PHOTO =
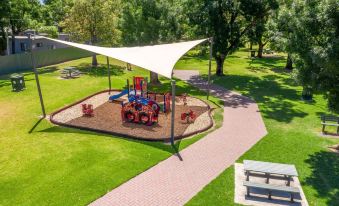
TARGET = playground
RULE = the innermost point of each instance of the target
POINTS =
(136, 113)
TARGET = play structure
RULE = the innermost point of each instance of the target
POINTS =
(188, 116)
(140, 110)
(135, 117)
(87, 110)
(142, 106)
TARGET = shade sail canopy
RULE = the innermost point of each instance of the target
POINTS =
(156, 58)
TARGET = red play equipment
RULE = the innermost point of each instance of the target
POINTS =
(167, 102)
(190, 115)
(142, 106)
(140, 110)
(87, 109)
(138, 81)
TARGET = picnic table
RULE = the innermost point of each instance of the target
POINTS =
(70, 72)
(268, 168)
(330, 120)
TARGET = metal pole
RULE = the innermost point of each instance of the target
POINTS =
(173, 111)
(37, 80)
(209, 67)
(7, 43)
(109, 77)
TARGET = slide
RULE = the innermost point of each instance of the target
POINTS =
(117, 96)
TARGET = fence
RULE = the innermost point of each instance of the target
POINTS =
(23, 62)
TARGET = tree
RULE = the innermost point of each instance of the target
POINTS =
(20, 14)
(55, 11)
(4, 24)
(261, 29)
(94, 21)
(227, 21)
(280, 31)
(147, 22)
(313, 41)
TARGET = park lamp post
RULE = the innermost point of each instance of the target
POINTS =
(32, 37)
(209, 68)
(109, 77)
(173, 111)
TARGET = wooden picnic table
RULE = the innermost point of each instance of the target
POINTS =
(269, 168)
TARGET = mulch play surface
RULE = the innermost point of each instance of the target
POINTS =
(107, 117)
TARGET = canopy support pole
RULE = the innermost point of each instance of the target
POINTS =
(173, 112)
(109, 77)
(37, 80)
(209, 67)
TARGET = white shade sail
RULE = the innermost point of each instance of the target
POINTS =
(156, 58)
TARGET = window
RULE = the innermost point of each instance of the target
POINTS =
(39, 44)
(23, 46)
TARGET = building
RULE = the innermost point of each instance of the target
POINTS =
(23, 42)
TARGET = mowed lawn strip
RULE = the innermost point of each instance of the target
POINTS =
(293, 128)
(52, 165)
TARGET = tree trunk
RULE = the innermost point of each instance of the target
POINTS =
(154, 78)
(220, 59)
(251, 45)
(3, 42)
(94, 60)
(289, 62)
(94, 56)
(260, 49)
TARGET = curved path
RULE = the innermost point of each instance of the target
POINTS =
(174, 181)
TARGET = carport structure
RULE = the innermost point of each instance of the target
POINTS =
(156, 58)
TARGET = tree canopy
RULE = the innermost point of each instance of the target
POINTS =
(307, 31)
(313, 40)
(227, 21)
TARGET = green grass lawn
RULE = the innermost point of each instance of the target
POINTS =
(44, 164)
(52, 165)
(293, 128)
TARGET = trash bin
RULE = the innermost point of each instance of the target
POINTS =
(252, 53)
(18, 82)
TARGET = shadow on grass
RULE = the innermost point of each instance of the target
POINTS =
(4, 82)
(46, 70)
(157, 145)
(277, 101)
(35, 125)
(325, 176)
(5, 79)
(274, 64)
(100, 70)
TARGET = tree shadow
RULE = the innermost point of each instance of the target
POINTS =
(4, 82)
(277, 101)
(46, 70)
(257, 69)
(270, 63)
(100, 70)
(325, 167)
(5, 79)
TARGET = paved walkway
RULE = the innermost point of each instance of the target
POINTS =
(174, 181)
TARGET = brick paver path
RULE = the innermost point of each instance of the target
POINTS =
(174, 181)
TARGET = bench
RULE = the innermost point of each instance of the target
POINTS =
(269, 168)
(271, 188)
(329, 120)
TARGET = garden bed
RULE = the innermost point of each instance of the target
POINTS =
(107, 118)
